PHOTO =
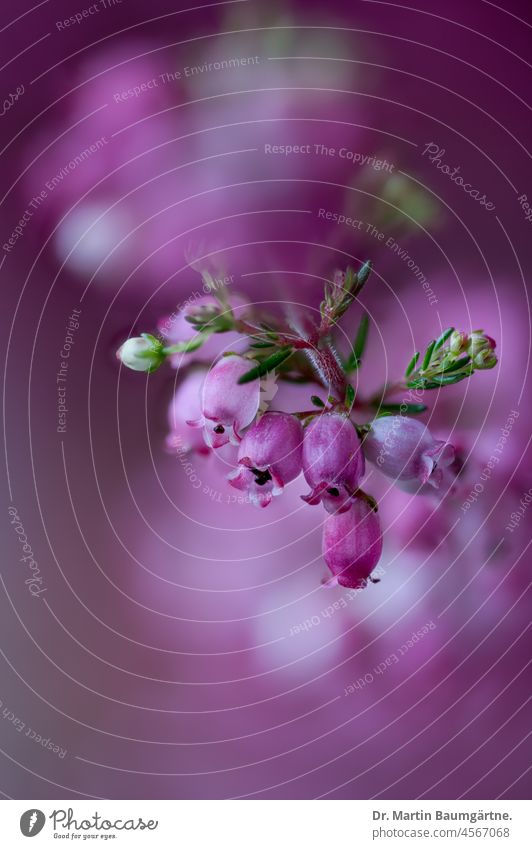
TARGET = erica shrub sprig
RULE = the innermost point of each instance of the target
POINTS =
(325, 442)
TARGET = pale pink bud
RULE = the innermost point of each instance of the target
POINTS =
(458, 342)
(485, 359)
(269, 457)
(227, 407)
(352, 544)
(478, 341)
(404, 449)
(333, 462)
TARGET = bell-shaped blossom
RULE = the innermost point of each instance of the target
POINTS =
(352, 544)
(405, 450)
(226, 406)
(333, 462)
(269, 457)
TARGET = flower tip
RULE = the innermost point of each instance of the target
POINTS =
(485, 359)
(234, 436)
(141, 353)
(328, 582)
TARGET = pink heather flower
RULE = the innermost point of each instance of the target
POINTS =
(352, 544)
(226, 406)
(269, 457)
(404, 449)
(333, 462)
(186, 406)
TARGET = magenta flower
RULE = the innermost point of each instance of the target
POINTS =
(404, 449)
(333, 462)
(352, 544)
(227, 407)
(269, 457)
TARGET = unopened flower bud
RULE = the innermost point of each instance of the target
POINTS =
(458, 342)
(478, 342)
(269, 457)
(352, 544)
(227, 406)
(404, 449)
(141, 353)
(333, 462)
(485, 359)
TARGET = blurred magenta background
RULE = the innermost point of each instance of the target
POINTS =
(168, 656)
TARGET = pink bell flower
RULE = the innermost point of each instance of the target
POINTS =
(333, 462)
(404, 449)
(269, 457)
(227, 407)
(352, 544)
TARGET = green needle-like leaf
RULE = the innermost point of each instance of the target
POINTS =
(156, 343)
(269, 364)
(187, 347)
(428, 354)
(443, 338)
(349, 396)
(364, 273)
(439, 380)
(317, 401)
(355, 357)
(458, 364)
(406, 409)
(412, 364)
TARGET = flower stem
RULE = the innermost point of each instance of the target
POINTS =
(328, 367)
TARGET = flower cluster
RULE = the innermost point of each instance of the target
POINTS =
(328, 445)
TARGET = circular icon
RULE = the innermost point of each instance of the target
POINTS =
(32, 822)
